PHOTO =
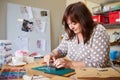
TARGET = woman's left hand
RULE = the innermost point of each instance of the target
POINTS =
(61, 62)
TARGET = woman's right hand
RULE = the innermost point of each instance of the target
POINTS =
(48, 58)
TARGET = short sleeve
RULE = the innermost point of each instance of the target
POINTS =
(63, 46)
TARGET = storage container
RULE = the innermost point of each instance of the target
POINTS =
(101, 19)
(114, 17)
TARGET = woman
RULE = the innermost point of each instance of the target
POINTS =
(85, 43)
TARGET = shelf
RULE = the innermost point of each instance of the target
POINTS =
(114, 43)
(112, 26)
(104, 12)
(103, 2)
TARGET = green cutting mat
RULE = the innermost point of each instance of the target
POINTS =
(55, 71)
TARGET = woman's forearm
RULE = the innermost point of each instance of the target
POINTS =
(55, 53)
(73, 64)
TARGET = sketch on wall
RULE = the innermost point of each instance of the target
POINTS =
(29, 28)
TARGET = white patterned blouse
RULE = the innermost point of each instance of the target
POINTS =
(94, 53)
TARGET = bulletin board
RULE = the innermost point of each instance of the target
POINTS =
(28, 28)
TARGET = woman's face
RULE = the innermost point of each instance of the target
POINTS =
(76, 27)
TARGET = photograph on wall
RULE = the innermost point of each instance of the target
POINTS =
(43, 13)
(27, 26)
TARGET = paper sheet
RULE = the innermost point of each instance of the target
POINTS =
(41, 44)
(94, 72)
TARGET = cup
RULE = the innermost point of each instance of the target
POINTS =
(16, 60)
(28, 59)
(113, 54)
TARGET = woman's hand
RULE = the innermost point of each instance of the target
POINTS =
(48, 58)
(61, 62)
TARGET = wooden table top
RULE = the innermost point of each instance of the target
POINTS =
(36, 63)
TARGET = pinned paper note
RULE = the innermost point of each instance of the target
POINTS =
(41, 44)
(26, 12)
(40, 25)
(30, 14)
(36, 13)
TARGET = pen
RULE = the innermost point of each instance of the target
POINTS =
(44, 62)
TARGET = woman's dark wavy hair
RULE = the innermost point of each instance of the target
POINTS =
(79, 13)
